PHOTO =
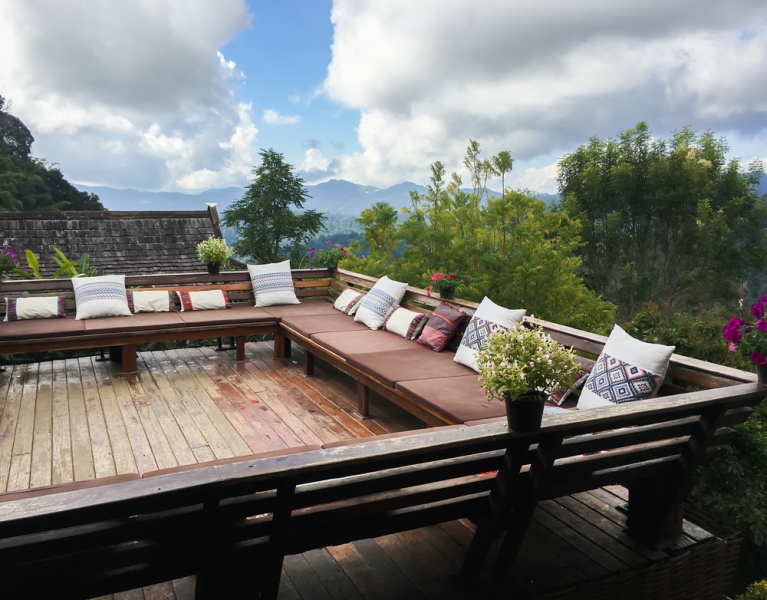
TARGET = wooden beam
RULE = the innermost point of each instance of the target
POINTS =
(363, 399)
(308, 363)
(129, 366)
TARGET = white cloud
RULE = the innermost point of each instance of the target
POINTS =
(272, 117)
(316, 168)
(129, 94)
(543, 179)
(537, 76)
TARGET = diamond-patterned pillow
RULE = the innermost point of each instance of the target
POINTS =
(488, 319)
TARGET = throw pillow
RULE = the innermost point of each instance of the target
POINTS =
(103, 296)
(149, 301)
(49, 307)
(488, 318)
(273, 284)
(206, 300)
(348, 302)
(559, 395)
(441, 327)
(627, 370)
(405, 323)
(381, 300)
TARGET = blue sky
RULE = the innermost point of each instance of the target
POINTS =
(179, 95)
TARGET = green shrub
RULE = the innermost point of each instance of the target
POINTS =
(755, 591)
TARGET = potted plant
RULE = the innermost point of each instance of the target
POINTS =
(214, 253)
(9, 261)
(445, 283)
(327, 258)
(522, 366)
(749, 340)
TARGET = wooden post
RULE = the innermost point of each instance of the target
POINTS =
(279, 345)
(277, 539)
(363, 399)
(288, 348)
(308, 363)
(129, 360)
(240, 342)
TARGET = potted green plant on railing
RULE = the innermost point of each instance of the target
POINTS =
(327, 258)
(214, 253)
(749, 340)
(522, 366)
(445, 284)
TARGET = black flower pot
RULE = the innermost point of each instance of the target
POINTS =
(447, 293)
(526, 412)
(213, 268)
(761, 373)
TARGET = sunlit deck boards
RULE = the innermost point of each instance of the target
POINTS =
(77, 419)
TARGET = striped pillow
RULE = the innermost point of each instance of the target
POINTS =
(205, 300)
(48, 307)
(348, 302)
(103, 296)
(441, 327)
(273, 284)
(405, 323)
(149, 301)
(379, 302)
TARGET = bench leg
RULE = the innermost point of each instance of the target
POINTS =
(240, 344)
(129, 360)
(288, 348)
(308, 363)
(653, 511)
(363, 400)
(279, 345)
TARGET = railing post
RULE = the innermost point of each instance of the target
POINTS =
(278, 539)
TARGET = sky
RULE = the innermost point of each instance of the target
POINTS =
(180, 95)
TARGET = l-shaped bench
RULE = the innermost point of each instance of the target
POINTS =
(232, 524)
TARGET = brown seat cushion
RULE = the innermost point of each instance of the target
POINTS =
(236, 314)
(418, 362)
(40, 328)
(308, 325)
(388, 436)
(67, 487)
(350, 343)
(226, 461)
(456, 399)
(137, 322)
(307, 307)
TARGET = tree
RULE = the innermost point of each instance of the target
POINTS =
(15, 138)
(270, 221)
(503, 163)
(664, 221)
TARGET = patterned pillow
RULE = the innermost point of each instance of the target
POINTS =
(273, 284)
(205, 300)
(627, 370)
(441, 327)
(48, 307)
(103, 296)
(381, 300)
(559, 395)
(348, 302)
(150, 301)
(405, 323)
(488, 318)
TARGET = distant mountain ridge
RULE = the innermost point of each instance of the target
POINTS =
(336, 196)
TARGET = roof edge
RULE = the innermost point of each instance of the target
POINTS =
(104, 214)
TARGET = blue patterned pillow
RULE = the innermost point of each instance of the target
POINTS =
(488, 318)
(273, 284)
(103, 296)
(379, 302)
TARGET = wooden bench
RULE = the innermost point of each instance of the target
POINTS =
(232, 524)
(123, 334)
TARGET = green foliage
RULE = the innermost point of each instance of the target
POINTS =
(27, 183)
(755, 591)
(268, 221)
(213, 250)
(68, 268)
(667, 221)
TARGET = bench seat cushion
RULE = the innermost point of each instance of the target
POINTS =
(227, 461)
(388, 436)
(407, 365)
(40, 328)
(350, 343)
(138, 322)
(311, 324)
(236, 315)
(455, 399)
(307, 307)
(66, 487)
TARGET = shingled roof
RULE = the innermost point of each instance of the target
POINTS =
(129, 243)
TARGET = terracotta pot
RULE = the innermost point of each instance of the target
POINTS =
(213, 268)
(447, 294)
(526, 412)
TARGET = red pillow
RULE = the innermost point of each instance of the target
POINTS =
(441, 327)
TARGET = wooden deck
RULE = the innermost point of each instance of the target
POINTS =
(77, 419)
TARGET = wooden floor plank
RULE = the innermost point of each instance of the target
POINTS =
(18, 476)
(360, 574)
(9, 421)
(287, 590)
(61, 441)
(43, 430)
(22, 444)
(161, 591)
(332, 576)
(5, 385)
(101, 445)
(386, 570)
(184, 588)
(305, 580)
(82, 454)
(130, 595)
(122, 450)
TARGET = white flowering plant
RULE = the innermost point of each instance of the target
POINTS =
(518, 361)
(213, 250)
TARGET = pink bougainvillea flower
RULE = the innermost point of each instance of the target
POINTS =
(329, 243)
(758, 309)
(758, 358)
(761, 325)
(428, 290)
(731, 331)
(732, 348)
(451, 277)
(437, 277)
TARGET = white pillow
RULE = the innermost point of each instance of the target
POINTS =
(48, 307)
(379, 302)
(102, 296)
(405, 323)
(488, 319)
(204, 300)
(348, 302)
(273, 284)
(150, 301)
(627, 370)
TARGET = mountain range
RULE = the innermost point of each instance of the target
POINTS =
(336, 196)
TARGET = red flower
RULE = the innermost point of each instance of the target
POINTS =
(758, 358)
